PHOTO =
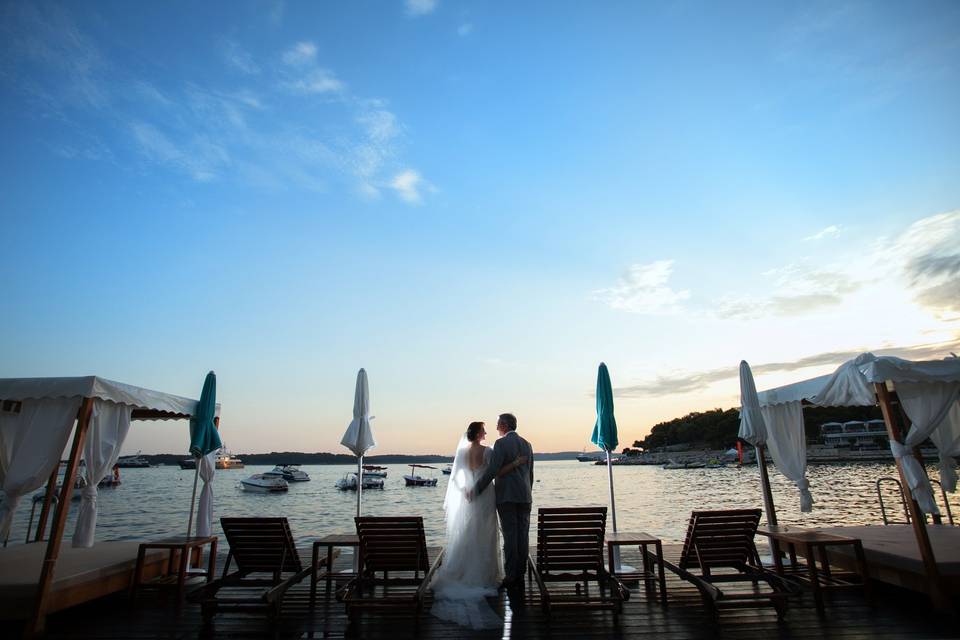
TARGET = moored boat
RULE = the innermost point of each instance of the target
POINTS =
(226, 461)
(413, 479)
(447, 470)
(349, 482)
(188, 463)
(289, 472)
(373, 471)
(133, 462)
(263, 483)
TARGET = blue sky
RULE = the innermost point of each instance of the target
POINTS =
(477, 202)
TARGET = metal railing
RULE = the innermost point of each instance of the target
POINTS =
(903, 502)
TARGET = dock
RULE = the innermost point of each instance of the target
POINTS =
(892, 613)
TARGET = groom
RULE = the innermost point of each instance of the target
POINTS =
(514, 495)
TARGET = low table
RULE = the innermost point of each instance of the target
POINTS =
(180, 548)
(652, 576)
(330, 542)
(813, 543)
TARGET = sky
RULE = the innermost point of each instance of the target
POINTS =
(477, 202)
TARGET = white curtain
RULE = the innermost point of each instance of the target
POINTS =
(109, 424)
(208, 464)
(31, 443)
(787, 442)
(947, 439)
(928, 406)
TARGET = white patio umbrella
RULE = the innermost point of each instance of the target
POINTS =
(753, 429)
(359, 436)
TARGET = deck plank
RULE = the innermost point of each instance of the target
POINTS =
(895, 613)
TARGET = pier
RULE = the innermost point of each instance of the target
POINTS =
(890, 613)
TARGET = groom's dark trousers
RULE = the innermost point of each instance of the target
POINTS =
(515, 525)
(514, 495)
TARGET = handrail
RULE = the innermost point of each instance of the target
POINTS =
(903, 502)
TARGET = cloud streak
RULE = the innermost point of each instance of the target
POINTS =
(645, 289)
(698, 380)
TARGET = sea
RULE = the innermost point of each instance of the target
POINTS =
(154, 502)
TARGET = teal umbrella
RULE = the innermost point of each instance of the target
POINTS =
(204, 439)
(605, 429)
(605, 433)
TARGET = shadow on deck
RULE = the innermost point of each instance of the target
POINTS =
(892, 614)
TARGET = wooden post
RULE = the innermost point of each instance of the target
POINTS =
(48, 499)
(765, 484)
(936, 590)
(38, 617)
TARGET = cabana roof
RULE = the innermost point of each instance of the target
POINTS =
(148, 404)
(851, 384)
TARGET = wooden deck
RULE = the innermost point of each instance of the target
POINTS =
(894, 613)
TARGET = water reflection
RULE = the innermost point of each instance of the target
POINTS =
(153, 502)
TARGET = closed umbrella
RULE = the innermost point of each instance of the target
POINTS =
(204, 439)
(359, 436)
(753, 429)
(605, 434)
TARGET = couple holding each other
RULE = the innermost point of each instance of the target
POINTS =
(471, 564)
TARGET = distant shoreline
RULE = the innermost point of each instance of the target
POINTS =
(299, 457)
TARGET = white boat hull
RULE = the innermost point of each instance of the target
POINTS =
(261, 483)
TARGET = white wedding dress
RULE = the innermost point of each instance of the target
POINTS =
(471, 567)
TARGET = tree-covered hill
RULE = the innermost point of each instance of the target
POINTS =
(717, 428)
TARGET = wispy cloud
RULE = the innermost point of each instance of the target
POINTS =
(797, 288)
(236, 57)
(826, 232)
(698, 380)
(300, 53)
(316, 81)
(327, 135)
(408, 184)
(930, 254)
(420, 7)
(465, 29)
(644, 289)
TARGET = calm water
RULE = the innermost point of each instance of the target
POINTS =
(154, 502)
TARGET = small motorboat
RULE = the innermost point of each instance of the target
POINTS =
(416, 480)
(447, 470)
(289, 472)
(373, 471)
(111, 481)
(349, 482)
(226, 461)
(263, 483)
(133, 462)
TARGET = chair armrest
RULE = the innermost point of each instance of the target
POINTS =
(699, 582)
(276, 593)
(422, 589)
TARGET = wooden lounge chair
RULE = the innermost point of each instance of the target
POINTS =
(259, 546)
(393, 556)
(570, 550)
(719, 549)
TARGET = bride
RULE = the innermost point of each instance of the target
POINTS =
(471, 567)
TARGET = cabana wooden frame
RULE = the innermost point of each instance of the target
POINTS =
(147, 405)
(883, 376)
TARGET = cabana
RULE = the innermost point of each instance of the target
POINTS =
(919, 400)
(37, 416)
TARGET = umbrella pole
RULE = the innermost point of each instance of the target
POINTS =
(613, 515)
(771, 512)
(196, 475)
(359, 482)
